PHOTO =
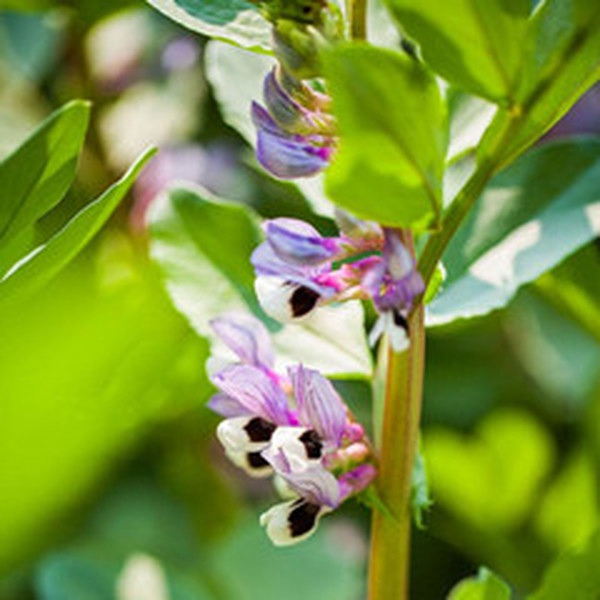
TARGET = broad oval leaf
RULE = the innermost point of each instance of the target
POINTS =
(475, 44)
(236, 21)
(392, 123)
(530, 217)
(203, 248)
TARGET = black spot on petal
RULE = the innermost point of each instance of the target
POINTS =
(400, 321)
(303, 300)
(312, 443)
(302, 517)
(256, 461)
(259, 430)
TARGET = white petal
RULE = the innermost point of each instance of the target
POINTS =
(291, 522)
(288, 453)
(233, 435)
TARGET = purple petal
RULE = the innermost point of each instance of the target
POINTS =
(227, 407)
(247, 337)
(267, 263)
(357, 480)
(288, 155)
(316, 484)
(319, 405)
(299, 243)
(286, 111)
(253, 389)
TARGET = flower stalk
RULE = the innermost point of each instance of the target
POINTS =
(390, 530)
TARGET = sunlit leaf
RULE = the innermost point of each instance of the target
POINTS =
(475, 44)
(86, 365)
(485, 586)
(392, 125)
(491, 479)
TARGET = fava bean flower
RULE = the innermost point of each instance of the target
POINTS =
(294, 426)
(294, 132)
(298, 270)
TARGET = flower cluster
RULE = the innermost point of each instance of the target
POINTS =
(298, 270)
(294, 426)
(296, 132)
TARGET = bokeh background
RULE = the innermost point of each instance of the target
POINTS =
(111, 483)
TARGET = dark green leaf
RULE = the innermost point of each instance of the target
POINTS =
(475, 44)
(38, 267)
(235, 21)
(530, 218)
(203, 246)
(485, 586)
(560, 63)
(392, 124)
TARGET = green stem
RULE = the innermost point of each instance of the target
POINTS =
(460, 207)
(390, 532)
(358, 19)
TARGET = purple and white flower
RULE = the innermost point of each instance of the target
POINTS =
(294, 426)
(298, 270)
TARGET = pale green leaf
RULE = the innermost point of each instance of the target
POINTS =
(530, 218)
(203, 246)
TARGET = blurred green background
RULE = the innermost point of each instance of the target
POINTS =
(111, 483)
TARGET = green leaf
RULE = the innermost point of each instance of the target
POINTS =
(530, 218)
(560, 63)
(236, 21)
(203, 246)
(38, 174)
(573, 577)
(485, 586)
(316, 568)
(86, 366)
(392, 124)
(123, 546)
(38, 267)
(491, 479)
(475, 44)
(568, 512)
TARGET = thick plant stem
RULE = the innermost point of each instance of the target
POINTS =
(390, 530)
